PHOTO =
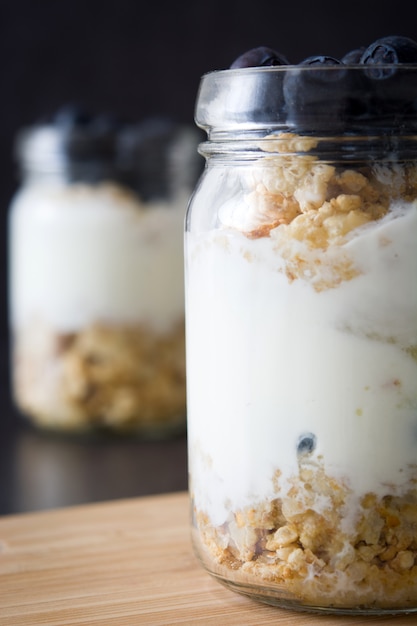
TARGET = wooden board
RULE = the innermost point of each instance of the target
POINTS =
(124, 562)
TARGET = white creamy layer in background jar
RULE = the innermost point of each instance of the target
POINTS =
(97, 306)
(301, 342)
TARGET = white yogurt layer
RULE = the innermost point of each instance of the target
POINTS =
(269, 360)
(82, 254)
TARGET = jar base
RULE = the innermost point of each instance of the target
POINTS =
(264, 595)
(281, 596)
(99, 432)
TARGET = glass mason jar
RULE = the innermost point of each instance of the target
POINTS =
(301, 335)
(96, 274)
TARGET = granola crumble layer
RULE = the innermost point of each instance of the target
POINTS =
(311, 208)
(120, 378)
(302, 552)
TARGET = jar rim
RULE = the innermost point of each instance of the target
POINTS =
(280, 69)
(338, 98)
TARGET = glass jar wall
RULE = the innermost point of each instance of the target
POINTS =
(301, 329)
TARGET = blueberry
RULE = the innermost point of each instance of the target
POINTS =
(259, 57)
(71, 116)
(87, 141)
(306, 444)
(317, 100)
(392, 50)
(145, 157)
(320, 61)
(390, 64)
(353, 57)
(106, 123)
(257, 96)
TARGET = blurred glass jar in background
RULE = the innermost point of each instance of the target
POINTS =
(96, 273)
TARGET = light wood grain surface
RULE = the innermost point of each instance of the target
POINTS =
(124, 562)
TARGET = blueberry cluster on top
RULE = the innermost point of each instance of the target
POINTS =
(149, 156)
(100, 146)
(370, 85)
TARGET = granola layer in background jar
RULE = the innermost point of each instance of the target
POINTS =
(96, 274)
(301, 330)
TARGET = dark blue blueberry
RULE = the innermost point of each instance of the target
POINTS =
(306, 443)
(147, 154)
(106, 123)
(88, 142)
(316, 100)
(259, 57)
(320, 61)
(353, 57)
(72, 116)
(392, 50)
(260, 95)
(390, 64)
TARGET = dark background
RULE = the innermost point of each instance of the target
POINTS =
(136, 59)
